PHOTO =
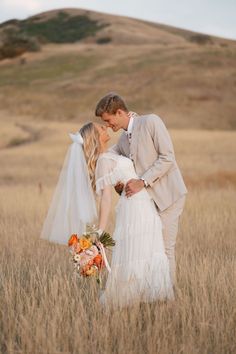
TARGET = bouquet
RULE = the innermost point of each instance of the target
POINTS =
(88, 254)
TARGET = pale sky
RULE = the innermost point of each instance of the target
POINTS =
(216, 17)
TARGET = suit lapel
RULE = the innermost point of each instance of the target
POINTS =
(134, 139)
(124, 142)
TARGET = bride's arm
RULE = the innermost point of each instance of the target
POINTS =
(105, 207)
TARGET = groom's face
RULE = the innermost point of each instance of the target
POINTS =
(113, 121)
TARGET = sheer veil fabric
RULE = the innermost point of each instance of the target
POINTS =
(73, 204)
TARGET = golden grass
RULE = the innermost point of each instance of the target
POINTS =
(44, 309)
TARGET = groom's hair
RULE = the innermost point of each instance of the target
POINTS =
(110, 104)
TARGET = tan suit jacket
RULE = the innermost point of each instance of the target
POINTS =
(152, 152)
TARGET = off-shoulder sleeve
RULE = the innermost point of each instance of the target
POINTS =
(106, 173)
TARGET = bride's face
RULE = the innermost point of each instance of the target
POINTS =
(103, 134)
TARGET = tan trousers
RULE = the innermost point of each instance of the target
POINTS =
(170, 221)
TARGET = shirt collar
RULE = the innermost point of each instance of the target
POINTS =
(131, 116)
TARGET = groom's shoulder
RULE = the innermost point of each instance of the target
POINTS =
(150, 118)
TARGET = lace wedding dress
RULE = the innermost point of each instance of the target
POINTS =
(139, 266)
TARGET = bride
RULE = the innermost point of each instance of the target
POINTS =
(139, 266)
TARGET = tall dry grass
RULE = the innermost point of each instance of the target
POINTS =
(44, 309)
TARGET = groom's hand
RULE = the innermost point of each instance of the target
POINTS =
(133, 186)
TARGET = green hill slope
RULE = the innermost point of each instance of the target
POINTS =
(187, 78)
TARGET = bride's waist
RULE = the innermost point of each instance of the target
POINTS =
(143, 194)
(128, 178)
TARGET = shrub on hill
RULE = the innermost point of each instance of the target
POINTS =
(19, 37)
(201, 39)
(62, 28)
(103, 40)
(13, 22)
(15, 44)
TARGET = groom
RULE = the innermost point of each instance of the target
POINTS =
(147, 142)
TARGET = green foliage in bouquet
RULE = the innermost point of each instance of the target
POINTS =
(107, 240)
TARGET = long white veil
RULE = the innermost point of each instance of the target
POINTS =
(73, 204)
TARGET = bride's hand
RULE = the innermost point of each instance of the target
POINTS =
(133, 186)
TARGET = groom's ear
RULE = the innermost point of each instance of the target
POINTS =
(119, 112)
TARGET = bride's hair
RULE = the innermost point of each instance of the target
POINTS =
(92, 149)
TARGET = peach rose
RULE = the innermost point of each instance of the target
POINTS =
(92, 251)
(88, 255)
(91, 271)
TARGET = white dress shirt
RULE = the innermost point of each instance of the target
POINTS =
(130, 126)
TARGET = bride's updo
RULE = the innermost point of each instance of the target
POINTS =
(92, 148)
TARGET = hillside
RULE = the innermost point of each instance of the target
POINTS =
(187, 78)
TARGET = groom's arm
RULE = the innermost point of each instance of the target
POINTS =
(164, 147)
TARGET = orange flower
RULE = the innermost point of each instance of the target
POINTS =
(84, 243)
(73, 239)
(98, 260)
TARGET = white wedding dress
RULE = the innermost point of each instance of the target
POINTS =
(139, 266)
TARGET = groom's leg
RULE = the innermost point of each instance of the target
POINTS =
(170, 221)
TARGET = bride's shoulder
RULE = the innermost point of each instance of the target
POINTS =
(107, 161)
(108, 155)
(106, 164)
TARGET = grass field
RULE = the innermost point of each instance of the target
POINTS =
(46, 95)
(44, 309)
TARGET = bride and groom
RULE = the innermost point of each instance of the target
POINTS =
(142, 166)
